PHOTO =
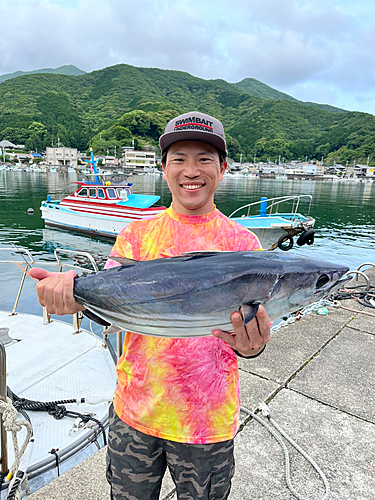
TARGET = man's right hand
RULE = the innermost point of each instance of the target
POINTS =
(55, 291)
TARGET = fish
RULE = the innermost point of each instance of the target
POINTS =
(195, 293)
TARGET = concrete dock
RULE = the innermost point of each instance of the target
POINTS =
(317, 376)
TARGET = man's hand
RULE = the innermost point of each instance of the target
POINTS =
(248, 339)
(55, 291)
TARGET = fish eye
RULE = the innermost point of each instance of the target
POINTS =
(322, 280)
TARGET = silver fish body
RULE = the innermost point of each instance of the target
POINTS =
(191, 295)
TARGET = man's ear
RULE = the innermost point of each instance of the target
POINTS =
(223, 167)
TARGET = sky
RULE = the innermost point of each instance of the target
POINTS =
(315, 50)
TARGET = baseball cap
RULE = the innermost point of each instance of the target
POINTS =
(194, 126)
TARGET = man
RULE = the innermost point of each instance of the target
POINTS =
(177, 400)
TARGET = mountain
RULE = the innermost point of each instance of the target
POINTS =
(68, 69)
(115, 105)
(258, 89)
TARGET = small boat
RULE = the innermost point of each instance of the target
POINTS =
(52, 369)
(276, 229)
(103, 205)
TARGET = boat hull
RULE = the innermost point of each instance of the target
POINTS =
(271, 228)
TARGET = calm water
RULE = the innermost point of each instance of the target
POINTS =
(344, 212)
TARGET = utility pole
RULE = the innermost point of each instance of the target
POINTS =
(58, 142)
(115, 151)
(240, 158)
(254, 158)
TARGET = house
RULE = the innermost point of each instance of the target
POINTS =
(61, 157)
(135, 159)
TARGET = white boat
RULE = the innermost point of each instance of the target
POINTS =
(102, 205)
(276, 229)
(53, 361)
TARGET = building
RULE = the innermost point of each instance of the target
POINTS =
(134, 159)
(364, 171)
(61, 157)
(35, 156)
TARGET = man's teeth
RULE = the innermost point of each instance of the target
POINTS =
(191, 186)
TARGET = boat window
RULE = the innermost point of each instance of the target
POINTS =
(101, 193)
(111, 193)
(127, 190)
(92, 192)
(83, 192)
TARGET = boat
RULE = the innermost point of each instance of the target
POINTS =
(276, 229)
(102, 205)
(57, 367)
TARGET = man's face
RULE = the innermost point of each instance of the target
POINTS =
(193, 172)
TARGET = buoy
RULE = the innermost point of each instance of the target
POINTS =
(30, 211)
(284, 239)
(306, 238)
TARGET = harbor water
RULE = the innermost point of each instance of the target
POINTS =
(344, 213)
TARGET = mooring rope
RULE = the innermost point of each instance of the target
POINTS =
(266, 413)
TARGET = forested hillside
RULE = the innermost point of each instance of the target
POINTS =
(116, 105)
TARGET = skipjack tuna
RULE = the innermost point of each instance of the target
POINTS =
(191, 295)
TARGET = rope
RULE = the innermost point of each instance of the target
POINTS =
(12, 425)
(55, 408)
(294, 492)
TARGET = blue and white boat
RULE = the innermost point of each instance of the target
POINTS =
(276, 229)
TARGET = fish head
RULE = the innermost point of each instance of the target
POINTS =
(303, 282)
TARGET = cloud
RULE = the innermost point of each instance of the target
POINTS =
(325, 47)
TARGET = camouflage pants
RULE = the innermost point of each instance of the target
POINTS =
(136, 464)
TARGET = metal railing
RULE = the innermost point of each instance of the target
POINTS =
(265, 206)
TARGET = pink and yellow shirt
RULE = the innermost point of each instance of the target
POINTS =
(184, 390)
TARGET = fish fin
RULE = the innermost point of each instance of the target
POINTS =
(198, 255)
(122, 260)
(113, 329)
(249, 311)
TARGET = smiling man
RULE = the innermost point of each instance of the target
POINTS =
(177, 400)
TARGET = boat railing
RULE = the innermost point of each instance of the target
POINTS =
(271, 204)
(28, 261)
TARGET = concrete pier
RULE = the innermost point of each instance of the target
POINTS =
(318, 379)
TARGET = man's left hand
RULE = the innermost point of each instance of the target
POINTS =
(248, 339)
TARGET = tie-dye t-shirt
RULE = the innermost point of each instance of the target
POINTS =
(184, 390)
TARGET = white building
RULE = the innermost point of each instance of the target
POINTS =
(364, 171)
(61, 157)
(132, 159)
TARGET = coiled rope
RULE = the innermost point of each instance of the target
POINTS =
(12, 425)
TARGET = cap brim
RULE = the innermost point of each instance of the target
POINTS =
(192, 135)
